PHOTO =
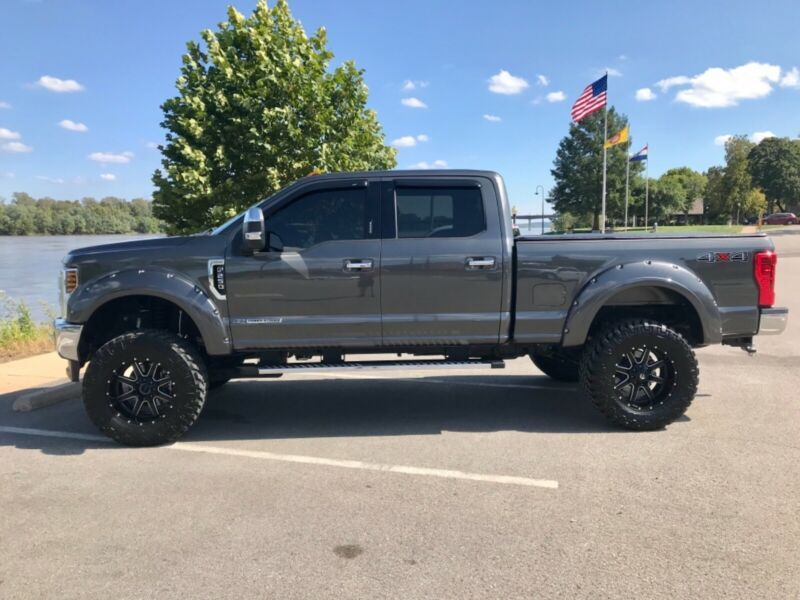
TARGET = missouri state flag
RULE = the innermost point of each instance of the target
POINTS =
(618, 138)
(640, 155)
(592, 99)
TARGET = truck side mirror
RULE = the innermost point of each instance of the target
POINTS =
(253, 232)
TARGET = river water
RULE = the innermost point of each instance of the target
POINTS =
(29, 266)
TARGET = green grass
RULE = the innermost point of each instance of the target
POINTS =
(20, 335)
(676, 229)
(700, 229)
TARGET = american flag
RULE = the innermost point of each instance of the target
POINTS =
(591, 100)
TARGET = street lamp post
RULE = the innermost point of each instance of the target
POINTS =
(542, 215)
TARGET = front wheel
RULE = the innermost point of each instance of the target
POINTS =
(641, 375)
(145, 388)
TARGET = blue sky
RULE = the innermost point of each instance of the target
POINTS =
(723, 67)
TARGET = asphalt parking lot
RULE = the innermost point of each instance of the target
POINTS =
(438, 485)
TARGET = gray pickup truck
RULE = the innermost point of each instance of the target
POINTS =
(419, 265)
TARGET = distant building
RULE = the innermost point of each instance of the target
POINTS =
(693, 216)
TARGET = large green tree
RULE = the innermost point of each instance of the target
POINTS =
(258, 107)
(774, 165)
(737, 181)
(676, 190)
(578, 170)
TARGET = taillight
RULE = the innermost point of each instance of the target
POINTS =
(764, 271)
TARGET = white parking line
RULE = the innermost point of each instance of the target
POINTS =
(308, 460)
(365, 466)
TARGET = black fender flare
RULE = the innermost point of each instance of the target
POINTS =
(601, 287)
(168, 285)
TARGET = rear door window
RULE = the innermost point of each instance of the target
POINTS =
(439, 212)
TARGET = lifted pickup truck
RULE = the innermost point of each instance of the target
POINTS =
(415, 263)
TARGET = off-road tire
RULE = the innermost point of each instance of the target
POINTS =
(600, 363)
(188, 385)
(557, 367)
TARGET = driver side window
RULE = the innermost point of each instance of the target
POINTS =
(322, 216)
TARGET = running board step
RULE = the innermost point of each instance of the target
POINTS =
(248, 371)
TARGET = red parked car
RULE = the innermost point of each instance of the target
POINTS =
(781, 219)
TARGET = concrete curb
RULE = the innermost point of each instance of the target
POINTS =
(43, 398)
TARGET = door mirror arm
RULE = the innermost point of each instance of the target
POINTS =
(274, 242)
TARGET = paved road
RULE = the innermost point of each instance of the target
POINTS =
(284, 489)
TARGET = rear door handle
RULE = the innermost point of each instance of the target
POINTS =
(358, 264)
(482, 262)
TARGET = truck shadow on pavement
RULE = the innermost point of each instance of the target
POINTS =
(324, 408)
(373, 407)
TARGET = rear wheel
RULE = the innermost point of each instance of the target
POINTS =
(556, 366)
(145, 388)
(641, 375)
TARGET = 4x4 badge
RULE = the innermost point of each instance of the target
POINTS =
(714, 257)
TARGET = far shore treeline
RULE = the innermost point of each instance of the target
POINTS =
(25, 215)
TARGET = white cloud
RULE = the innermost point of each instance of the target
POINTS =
(645, 95)
(58, 180)
(110, 157)
(721, 139)
(409, 141)
(70, 125)
(4, 105)
(7, 134)
(669, 82)
(108, 176)
(542, 80)
(558, 96)
(492, 118)
(623, 57)
(612, 72)
(412, 84)
(506, 83)
(152, 145)
(437, 164)
(791, 78)
(15, 147)
(718, 88)
(413, 103)
(9, 175)
(761, 135)
(54, 84)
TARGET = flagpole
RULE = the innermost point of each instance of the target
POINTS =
(646, 186)
(605, 154)
(627, 183)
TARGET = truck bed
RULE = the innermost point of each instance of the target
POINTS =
(553, 272)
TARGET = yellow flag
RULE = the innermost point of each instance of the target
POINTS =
(618, 138)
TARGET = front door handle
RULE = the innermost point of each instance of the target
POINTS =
(482, 262)
(358, 264)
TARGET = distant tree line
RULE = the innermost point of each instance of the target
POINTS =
(755, 179)
(25, 215)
